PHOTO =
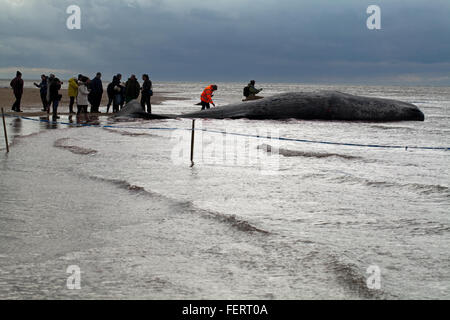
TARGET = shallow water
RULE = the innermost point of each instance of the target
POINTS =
(127, 208)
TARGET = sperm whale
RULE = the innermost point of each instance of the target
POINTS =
(323, 105)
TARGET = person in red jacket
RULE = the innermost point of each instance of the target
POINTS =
(17, 86)
(207, 95)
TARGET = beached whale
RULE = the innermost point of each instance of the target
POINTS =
(324, 105)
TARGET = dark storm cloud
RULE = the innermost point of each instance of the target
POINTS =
(305, 41)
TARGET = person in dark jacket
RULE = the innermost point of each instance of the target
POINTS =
(146, 93)
(96, 93)
(50, 79)
(122, 91)
(132, 89)
(55, 97)
(110, 92)
(43, 91)
(250, 92)
(118, 90)
(17, 86)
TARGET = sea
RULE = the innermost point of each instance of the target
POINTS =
(114, 208)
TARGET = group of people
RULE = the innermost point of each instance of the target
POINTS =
(85, 91)
(119, 94)
(81, 89)
(49, 90)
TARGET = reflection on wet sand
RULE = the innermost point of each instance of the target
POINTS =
(17, 126)
(85, 119)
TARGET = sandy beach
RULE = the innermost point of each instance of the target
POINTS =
(31, 100)
(118, 199)
(291, 151)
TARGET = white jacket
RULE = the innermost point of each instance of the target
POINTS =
(83, 92)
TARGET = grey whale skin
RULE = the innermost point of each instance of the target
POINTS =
(324, 105)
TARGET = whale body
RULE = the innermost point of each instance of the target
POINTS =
(323, 105)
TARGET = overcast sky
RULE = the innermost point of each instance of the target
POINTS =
(307, 41)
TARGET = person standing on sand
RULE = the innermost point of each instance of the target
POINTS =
(43, 91)
(82, 97)
(55, 97)
(49, 82)
(17, 86)
(118, 90)
(110, 92)
(96, 93)
(207, 95)
(147, 93)
(132, 89)
(72, 92)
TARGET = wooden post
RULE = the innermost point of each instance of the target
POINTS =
(6, 134)
(192, 143)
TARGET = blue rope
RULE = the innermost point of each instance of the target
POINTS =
(237, 134)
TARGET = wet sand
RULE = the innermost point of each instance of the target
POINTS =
(31, 104)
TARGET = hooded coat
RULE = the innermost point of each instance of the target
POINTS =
(73, 87)
(132, 89)
(17, 85)
(83, 92)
